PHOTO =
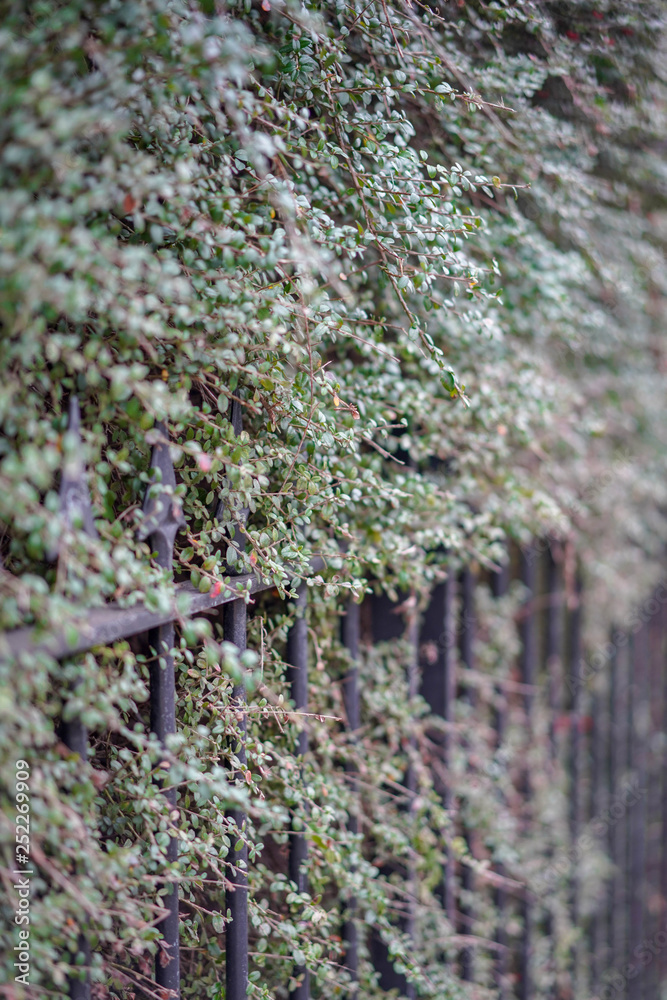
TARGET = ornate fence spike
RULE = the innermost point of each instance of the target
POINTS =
(236, 420)
(163, 515)
(76, 510)
(163, 518)
(75, 505)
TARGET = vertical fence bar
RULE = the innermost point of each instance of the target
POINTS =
(621, 840)
(598, 803)
(663, 788)
(234, 629)
(575, 765)
(76, 511)
(612, 754)
(587, 940)
(500, 582)
(630, 750)
(466, 651)
(162, 716)
(554, 650)
(411, 785)
(438, 688)
(351, 631)
(652, 868)
(162, 520)
(448, 672)
(637, 811)
(388, 624)
(527, 670)
(234, 626)
(297, 676)
(553, 653)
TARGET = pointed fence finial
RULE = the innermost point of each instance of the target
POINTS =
(163, 514)
(76, 509)
(223, 506)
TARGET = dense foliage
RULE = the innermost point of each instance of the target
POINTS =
(423, 243)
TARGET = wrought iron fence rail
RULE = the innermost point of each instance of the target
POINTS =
(111, 623)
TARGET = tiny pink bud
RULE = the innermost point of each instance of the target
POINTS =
(204, 462)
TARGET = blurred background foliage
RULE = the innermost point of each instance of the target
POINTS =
(423, 243)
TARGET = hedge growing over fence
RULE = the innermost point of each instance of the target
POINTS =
(423, 244)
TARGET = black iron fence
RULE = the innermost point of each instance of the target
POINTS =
(607, 720)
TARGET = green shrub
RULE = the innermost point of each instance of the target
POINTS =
(423, 245)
